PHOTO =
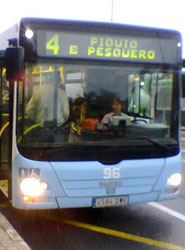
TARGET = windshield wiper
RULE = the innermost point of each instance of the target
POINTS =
(162, 146)
(156, 143)
(114, 145)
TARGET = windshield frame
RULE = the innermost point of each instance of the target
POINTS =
(72, 152)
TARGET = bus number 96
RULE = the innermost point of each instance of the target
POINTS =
(111, 173)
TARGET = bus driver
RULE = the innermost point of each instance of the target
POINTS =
(108, 119)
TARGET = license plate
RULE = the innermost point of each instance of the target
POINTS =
(110, 201)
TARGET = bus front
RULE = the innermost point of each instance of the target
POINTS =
(97, 115)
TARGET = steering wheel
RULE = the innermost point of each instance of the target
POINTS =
(139, 120)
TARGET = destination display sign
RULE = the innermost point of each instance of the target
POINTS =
(106, 47)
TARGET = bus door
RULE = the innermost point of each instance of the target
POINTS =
(4, 132)
(14, 72)
(183, 96)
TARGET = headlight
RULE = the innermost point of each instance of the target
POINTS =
(33, 187)
(174, 179)
(29, 33)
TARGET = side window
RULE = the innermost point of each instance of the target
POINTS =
(140, 94)
(4, 119)
(150, 96)
(0, 95)
(5, 92)
(1, 101)
(163, 102)
(1, 106)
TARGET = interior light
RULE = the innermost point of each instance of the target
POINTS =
(33, 187)
(174, 179)
(179, 44)
(29, 33)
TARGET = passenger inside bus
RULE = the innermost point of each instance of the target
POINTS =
(50, 102)
(77, 115)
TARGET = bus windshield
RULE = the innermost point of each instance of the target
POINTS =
(83, 111)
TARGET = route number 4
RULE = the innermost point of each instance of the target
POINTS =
(53, 44)
(111, 173)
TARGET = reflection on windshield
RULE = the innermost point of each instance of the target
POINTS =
(94, 105)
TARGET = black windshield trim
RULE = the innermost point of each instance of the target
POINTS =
(104, 154)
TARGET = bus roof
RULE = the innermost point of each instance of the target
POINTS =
(49, 22)
(147, 40)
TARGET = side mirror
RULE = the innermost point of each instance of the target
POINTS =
(183, 85)
(183, 80)
(14, 63)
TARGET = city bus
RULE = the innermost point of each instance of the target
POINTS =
(89, 114)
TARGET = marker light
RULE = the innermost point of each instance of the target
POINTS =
(29, 33)
(174, 179)
(33, 187)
